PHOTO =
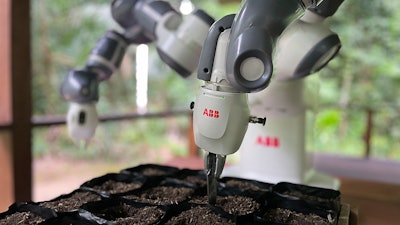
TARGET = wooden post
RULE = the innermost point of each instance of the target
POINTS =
(21, 98)
(15, 102)
(6, 174)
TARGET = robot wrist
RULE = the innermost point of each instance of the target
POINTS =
(80, 86)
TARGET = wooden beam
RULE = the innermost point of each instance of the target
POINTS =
(21, 99)
(377, 170)
(6, 174)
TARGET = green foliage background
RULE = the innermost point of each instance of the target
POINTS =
(365, 76)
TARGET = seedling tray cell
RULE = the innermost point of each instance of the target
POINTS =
(80, 217)
(246, 184)
(152, 170)
(26, 213)
(115, 183)
(72, 201)
(167, 192)
(320, 197)
(189, 213)
(125, 212)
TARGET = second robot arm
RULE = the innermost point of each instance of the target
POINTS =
(179, 41)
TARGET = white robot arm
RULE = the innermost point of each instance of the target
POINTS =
(179, 42)
(237, 59)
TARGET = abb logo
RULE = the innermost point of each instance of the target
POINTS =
(211, 113)
(268, 141)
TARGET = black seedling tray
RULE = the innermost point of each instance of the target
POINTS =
(179, 196)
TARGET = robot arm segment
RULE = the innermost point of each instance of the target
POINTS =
(107, 55)
(253, 36)
(318, 43)
(81, 86)
(181, 49)
(179, 40)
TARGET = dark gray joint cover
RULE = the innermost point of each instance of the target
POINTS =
(327, 7)
(309, 60)
(80, 86)
(253, 34)
(206, 62)
(204, 16)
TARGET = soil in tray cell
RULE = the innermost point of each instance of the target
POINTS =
(199, 215)
(126, 215)
(25, 218)
(152, 170)
(72, 202)
(286, 216)
(115, 187)
(163, 195)
(234, 205)
(243, 185)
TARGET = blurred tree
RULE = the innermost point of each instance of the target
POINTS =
(365, 75)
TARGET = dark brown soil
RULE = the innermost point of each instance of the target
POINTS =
(243, 185)
(199, 215)
(286, 216)
(238, 205)
(163, 195)
(71, 203)
(21, 218)
(235, 205)
(126, 214)
(115, 187)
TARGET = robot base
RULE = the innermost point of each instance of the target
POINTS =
(276, 152)
(311, 177)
